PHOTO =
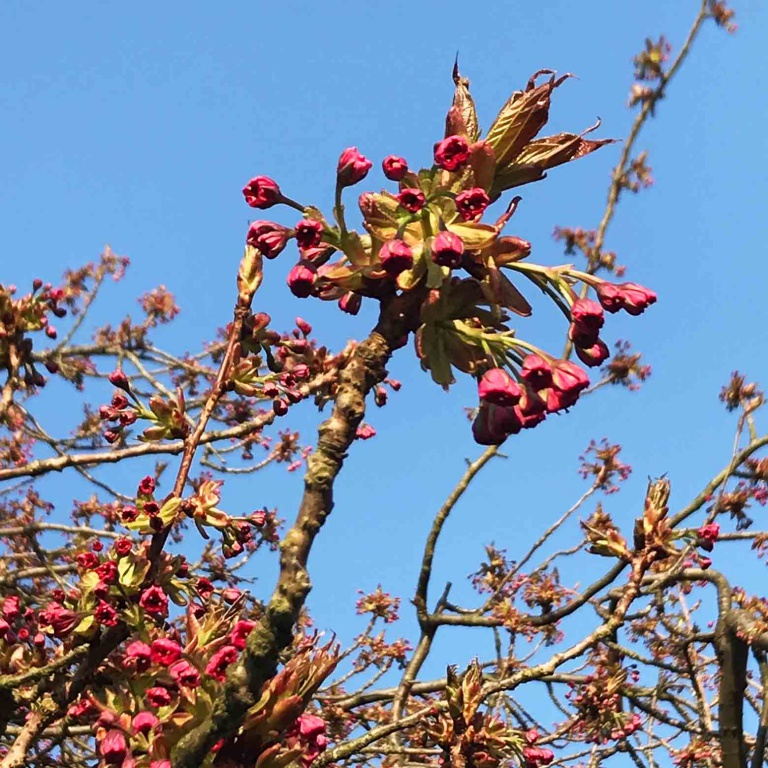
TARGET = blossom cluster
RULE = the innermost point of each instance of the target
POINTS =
(428, 240)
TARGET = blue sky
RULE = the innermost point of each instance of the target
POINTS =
(137, 125)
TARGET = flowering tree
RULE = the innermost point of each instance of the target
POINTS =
(117, 649)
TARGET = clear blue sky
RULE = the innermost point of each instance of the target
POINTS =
(137, 125)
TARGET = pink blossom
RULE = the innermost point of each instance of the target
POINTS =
(452, 153)
(394, 167)
(447, 250)
(165, 651)
(352, 167)
(218, 663)
(262, 192)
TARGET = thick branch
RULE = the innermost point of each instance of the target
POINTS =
(365, 369)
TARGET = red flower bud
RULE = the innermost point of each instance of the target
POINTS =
(144, 722)
(120, 380)
(636, 298)
(87, 560)
(452, 153)
(11, 608)
(138, 655)
(472, 203)
(240, 632)
(447, 250)
(308, 233)
(499, 388)
(165, 651)
(395, 257)
(412, 199)
(262, 192)
(536, 372)
(630, 297)
(158, 696)
(394, 167)
(61, 619)
(217, 666)
(352, 167)
(494, 424)
(268, 237)
(303, 326)
(708, 535)
(568, 377)
(594, 355)
(113, 747)
(350, 303)
(122, 547)
(302, 278)
(184, 674)
(147, 486)
(231, 595)
(153, 600)
(587, 313)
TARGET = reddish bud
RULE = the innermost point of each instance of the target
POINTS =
(113, 747)
(494, 424)
(268, 237)
(11, 608)
(303, 326)
(708, 535)
(120, 380)
(588, 314)
(280, 406)
(396, 257)
(138, 655)
(568, 377)
(153, 600)
(412, 199)
(147, 486)
(394, 167)
(536, 372)
(144, 722)
(51, 332)
(122, 547)
(308, 233)
(452, 153)
(352, 167)
(365, 432)
(184, 674)
(447, 250)
(165, 651)
(350, 303)
(472, 203)
(595, 355)
(61, 619)
(217, 666)
(262, 192)
(499, 388)
(302, 278)
(240, 632)
(630, 297)
(158, 696)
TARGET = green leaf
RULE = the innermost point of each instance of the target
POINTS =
(522, 117)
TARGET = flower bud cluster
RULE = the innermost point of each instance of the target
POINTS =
(429, 239)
